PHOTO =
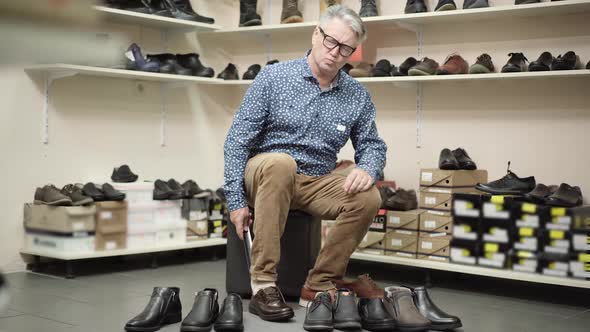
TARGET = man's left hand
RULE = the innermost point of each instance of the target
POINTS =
(357, 181)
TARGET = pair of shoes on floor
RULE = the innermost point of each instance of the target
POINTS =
(332, 309)
(165, 308)
(455, 160)
(181, 64)
(180, 9)
(400, 200)
(363, 286)
(173, 190)
(563, 196)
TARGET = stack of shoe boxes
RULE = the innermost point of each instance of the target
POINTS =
(401, 239)
(217, 223)
(529, 220)
(466, 241)
(556, 241)
(59, 229)
(436, 197)
(196, 212)
(374, 241)
(497, 230)
(579, 265)
(111, 225)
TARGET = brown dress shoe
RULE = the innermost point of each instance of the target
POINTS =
(270, 305)
(364, 287)
(454, 64)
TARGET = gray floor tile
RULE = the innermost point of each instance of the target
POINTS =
(9, 313)
(29, 323)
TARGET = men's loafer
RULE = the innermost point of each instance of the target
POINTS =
(464, 160)
(447, 160)
(231, 314)
(270, 305)
(346, 315)
(163, 308)
(543, 63)
(252, 72)
(111, 194)
(204, 312)
(319, 315)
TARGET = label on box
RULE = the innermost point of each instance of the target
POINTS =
(491, 247)
(404, 232)
(584, 258)
(560, 243)
(429, 224)
(404, 254)
(197, 215)
(430, 200)
(465, 209)
(529, 208)
(426, 177)
(556, 235)
(438, 258)
(426, 245)
(78, 226)
(396, 242)
(565, 220)
(529, 220)
(466, 252)
(497, 199)
(525, 231)
(394, 220)
(110, 245)
(491, 210)
(524, 254)
(557, 212)
(438, 213)
(105, 215)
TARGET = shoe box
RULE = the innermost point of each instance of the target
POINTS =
(527, 238)
(59, 219)
(196, 208)
(579, 265)
(217, 228)
(437, 186)
(173, 234)
(435, 201)
(379, 223)
(136, 193)
(111, 225)
(434, 246)
(524, 261)
(155, 223)
(580, 240)
(555, 241)
(497, 207)
(401, 243)
(373, 243)
(494, 255)
(408, 220)
(530, 215)
(557, 265)
(466, 229)
(464, 251)
(466, 205)
(196, 230)
(60, 242)
(435, 221)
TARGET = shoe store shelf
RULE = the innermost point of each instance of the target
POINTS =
(475, 270)
(124, 252)
(153, 21)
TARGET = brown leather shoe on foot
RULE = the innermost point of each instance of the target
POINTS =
(364, 287)
(270, 305)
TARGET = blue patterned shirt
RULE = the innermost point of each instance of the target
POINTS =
(284, 110)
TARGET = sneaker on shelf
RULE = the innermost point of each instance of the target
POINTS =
(510, 184)
(76, 195)
(123, 174)
(51, 195)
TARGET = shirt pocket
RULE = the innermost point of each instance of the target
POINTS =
(338, 133)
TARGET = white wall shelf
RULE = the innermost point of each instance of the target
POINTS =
(153, 21)
(475, 270)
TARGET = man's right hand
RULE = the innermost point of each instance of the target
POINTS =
(242, 219)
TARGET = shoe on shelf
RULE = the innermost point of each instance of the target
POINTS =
(50, 195)
(525, 2)
(92, 190)
(272, 62)
(569, 61)
(516, 63)
(363, 69)
(382, 69)
(403, 69)
(374, 317)
(399, 303)
(248, 15)
(346, 68)
(111, 194)
(464, 160)
(454, 64)
(192, 188)
(403, 200)
(178, 191)
(510, 184)
(136, 60)
(565, 196)
(543, 63)
(346, 315)
(425, 67)
(444, 5)
(192, 61)
(252, 72)
(415, 6)
(186, 6)
(483, 65)
(363, 286)
(290, 12)
(203, 313)
(385, 192)
(440, 320)
(169, 64)
(588, 65)
(229, 73)
(472, 4)
(325, 4)
(319, 315)
(185, 14)
(269, 304)
(76, 195)
(230, 316)
(162, 309)
(368, 8)
(123, 174)
(540, 193)
(161, 191)
(447, 160)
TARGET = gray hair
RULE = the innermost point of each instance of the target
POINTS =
(347, 15)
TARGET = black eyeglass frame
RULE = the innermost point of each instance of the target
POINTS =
(337, 44)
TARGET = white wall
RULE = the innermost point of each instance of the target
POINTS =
(98, 123)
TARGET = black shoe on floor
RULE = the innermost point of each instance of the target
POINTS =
(565, 196)
(192, 61)
(50, 195)
(543, 63)
(415, 6)
(569, 61)
(178, 191)
(374, 317)
(76, 195)
(163, 308)
(447, 160)
(516, 63)
(440, 320)
(123, 174)
(229, 73)
(90, 189)
(319, 315)
(204, 312)
(368, 8)
(444, 5)
(464, 160)
(346, 315)
(252, 72)
(231, 314)
(510, 184)
(111, 194)
(382, 69)
(540, 193)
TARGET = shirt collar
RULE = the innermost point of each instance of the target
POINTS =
(308, 74)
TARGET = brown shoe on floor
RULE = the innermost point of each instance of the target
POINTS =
(307, 295)
(269, 304)
(364, 286)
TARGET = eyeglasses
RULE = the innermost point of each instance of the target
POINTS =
(331, 43)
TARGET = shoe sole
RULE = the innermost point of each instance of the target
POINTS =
(283, 316)
(511, 70)
(83, 202)
(378, 326)
(127, 180)
(228, 327)
(251, 23)
(448, 6)
(292, 19)
(538, 68)
(500, 192)
(317, 327)
(418, 72)
(412, 328)
(560, 203)
(196, 328)
(59, 202)
(449, 167)
(479, 69)
(445, 327)
(174, 318)
(347, 326)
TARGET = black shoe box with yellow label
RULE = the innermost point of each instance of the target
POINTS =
(527, 239)
(494, 255)
(530, 215)
(579, 265)
(554, 264)
(524, 261)
(467, 205)
(464, 251)
(553, 241)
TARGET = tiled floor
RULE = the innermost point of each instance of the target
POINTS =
(105, 301)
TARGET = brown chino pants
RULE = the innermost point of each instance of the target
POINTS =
(273, 188)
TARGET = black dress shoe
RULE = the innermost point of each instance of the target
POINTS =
(192, 61)
(399, 303)
(163, 308)
(568, 61)
(516, 63)
(543, 63)
(447, 160)
(464, 160)
(439, 319)
(169, 64)
(252, 72)
(415, 6)
(186, 6)
(229, 73)
(319, 315)
(161, 190)
(270, 305)
(248, 15)
(510, 184)
(565, 196)
(91, 190)
(368, 8)
(111, 194)
(382, 69)
(178, 191)
(192, 188)
(444, 5)
(204, 312)
(76, 195)
(346, 315)
(403, 69)
(231, 314)
(181, 14)
(374, 317)
(123, 174)
(540, 192)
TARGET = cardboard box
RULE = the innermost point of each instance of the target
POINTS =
(436, 221)
(59, 219)
(401, 254)
(136, 193)
(372, 243)
(141, 240)
(199, 227)
(467, 205)
(434, 177)
(379, 223)
(436, 244)
(433, 258)
(403, 219)
(464, 251)
(171, 237)
(402, 241)
(60, 242)
(111, 217)
(435, 201)
(111, 241)
(196, 208)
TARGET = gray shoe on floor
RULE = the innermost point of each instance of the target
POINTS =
(399, 303)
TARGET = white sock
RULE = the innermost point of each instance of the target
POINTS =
(258, 285)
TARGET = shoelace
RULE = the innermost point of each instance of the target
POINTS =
(450, 56)
(322, 299)
(504, 179)
(517, 56)
(274, 295)
(69, 188)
